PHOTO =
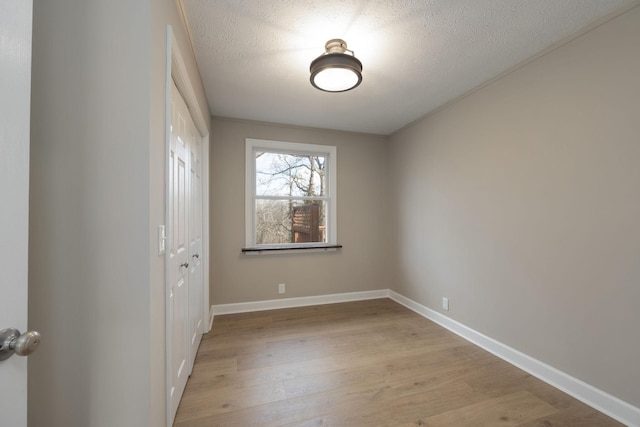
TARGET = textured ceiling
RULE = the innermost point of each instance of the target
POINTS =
(417, 55)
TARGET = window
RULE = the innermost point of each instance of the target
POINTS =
(290, 195)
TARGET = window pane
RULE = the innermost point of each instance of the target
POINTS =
(279, 174)
(290, 221)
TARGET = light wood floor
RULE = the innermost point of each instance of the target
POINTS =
(367, 363)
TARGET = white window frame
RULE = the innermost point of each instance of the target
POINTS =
(253, 145)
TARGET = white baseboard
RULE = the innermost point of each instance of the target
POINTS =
(598, 399)
(244, 307)
(211, 316)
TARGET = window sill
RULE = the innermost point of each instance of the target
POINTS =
(285, 249)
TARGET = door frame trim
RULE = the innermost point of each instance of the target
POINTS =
(176, 70)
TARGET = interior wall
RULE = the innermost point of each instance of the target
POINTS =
(89, 204)
(364, 263)
(96, 281)
(520, 204)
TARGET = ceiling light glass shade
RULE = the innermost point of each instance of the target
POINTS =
(335, 71)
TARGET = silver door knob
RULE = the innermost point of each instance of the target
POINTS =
(11, 341)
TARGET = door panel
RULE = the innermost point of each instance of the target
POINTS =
(195, 245)
(15, 89)
(178, 251)
(185, 247)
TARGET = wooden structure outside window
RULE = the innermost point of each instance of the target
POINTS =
(306, 224)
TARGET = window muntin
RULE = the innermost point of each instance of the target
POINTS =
(290, 194)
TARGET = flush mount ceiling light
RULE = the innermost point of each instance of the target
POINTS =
(334, 70)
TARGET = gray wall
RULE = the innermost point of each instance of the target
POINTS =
(520, 203)
(364, 263)
(96, 282)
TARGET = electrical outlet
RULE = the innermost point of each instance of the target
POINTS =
(445, 303)
(281, 288)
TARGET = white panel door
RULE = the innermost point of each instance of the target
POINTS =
(15, 90)
(179, 250)
(196, 318)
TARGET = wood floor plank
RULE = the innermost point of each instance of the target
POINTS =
(508, 410)
(201, 404)
(366, 363)
(207, 380)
